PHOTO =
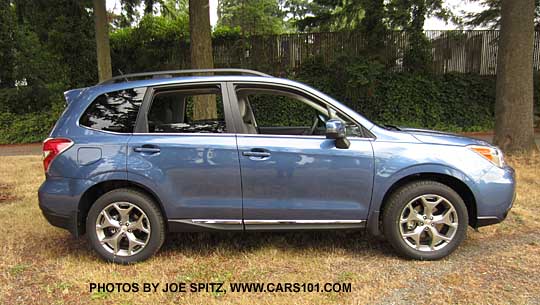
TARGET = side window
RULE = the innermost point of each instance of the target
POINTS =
(267, 111)
(353, 129)
(114, 111)
(279, 112)
(187, 111)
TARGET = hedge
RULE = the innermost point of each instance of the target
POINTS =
(449, 102)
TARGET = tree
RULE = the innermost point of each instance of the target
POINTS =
(491, 15)
(514, 94)
(7, 24)
(253, 17)
(200, 34)
(333, 15)
(102, 40)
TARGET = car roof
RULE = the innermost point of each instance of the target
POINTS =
(107, 87)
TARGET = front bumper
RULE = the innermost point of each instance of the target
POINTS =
(500, 194)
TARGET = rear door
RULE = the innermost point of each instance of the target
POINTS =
(187, 153)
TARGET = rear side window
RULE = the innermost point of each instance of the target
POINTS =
(185, 111)
(114, 111)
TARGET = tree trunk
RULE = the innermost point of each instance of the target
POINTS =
(103, 51)
(204, 107)
(514, 129)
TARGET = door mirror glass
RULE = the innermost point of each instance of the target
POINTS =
(336, 130)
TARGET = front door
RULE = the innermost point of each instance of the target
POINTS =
(189, 156)
(292, 176)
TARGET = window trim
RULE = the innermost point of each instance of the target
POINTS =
(141, 126)
(78, 122)
(232, 85)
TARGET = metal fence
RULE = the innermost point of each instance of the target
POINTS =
(452, 51)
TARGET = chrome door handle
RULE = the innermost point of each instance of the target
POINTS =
(148, 150)
(259, 154)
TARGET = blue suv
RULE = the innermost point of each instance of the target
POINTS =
(140, 155)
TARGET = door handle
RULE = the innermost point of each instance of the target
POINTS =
(259, 154)
(147, 149)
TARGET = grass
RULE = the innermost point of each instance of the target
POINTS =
(41, 264)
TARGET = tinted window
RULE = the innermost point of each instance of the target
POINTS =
(270, 111)
(114, 111)
(187, 111)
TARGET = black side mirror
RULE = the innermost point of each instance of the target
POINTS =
(336, 130)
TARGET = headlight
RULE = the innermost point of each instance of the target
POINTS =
(493, 154)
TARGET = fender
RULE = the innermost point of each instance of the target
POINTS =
(382, 184)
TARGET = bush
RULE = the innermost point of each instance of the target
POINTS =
(451, 102)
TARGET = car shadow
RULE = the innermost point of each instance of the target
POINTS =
(242, 243)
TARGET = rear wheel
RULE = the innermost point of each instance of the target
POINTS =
(425, 220)
(125, 226)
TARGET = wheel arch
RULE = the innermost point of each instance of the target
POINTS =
(458, 185)
(95, 191)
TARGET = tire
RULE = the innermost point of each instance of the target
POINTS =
(425, 220)
(125, 226)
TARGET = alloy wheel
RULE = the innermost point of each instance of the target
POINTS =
(123, 229)
(428, 222)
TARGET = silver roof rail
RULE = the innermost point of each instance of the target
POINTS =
(170, 73)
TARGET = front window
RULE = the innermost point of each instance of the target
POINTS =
(282, 112)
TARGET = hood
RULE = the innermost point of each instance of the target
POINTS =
(444, 138)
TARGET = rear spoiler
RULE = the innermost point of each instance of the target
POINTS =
(72, 95)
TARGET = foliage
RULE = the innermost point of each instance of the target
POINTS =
(152, 45)
(491, 15)
(456, 102)
(253, 17)
(332, 15)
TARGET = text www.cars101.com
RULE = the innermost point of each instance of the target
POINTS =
(219, 287)
(290, 287)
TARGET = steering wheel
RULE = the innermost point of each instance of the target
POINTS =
(317, 118)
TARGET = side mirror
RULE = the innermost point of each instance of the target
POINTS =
(336, 130)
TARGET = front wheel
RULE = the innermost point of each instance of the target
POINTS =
(125, 226)
(425, 220)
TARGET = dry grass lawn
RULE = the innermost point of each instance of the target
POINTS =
(41, 264)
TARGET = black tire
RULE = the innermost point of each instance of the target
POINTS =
(156, 237)
(399, 200)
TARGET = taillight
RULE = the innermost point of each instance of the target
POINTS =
(52, 147)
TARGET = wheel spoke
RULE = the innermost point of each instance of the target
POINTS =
(414, 235)
(133, 242)
(429, 206)
(113, 241)
(436, 237)
(139, 225)
(108, 221)
(124, 212)
(445, 218)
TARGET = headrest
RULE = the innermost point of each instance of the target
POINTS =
(242, 105)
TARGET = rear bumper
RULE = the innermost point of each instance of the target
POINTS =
(68, 222)
(59, 202)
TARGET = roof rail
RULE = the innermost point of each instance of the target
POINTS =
(170, 73)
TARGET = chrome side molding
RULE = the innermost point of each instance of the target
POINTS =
(301, 222)
(264, 224)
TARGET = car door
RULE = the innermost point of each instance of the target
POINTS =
(188, 155)
(292, 176)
